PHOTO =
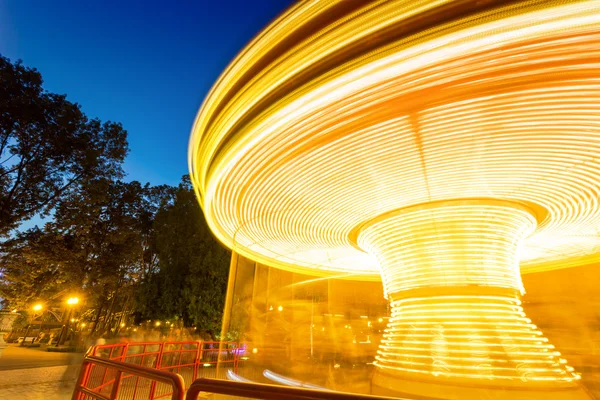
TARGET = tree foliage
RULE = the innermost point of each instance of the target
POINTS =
(192, 279)
(47, 146)
(31, 268)
(124, 247)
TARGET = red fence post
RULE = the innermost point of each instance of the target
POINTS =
(124, 354)
(116, 385)
(156, 366)
(197, 360)
(86, 371)
(81, 381)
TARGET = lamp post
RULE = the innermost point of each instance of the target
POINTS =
(71, 302)
(37, 307)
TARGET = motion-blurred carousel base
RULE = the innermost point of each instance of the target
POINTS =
(384, 384)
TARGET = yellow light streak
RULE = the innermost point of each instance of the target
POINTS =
(445, 162)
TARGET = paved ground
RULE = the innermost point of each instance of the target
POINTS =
(32, 374)
(15, 357)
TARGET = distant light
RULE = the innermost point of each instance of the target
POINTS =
(122, 325)
(72, 319)
(207, 365)
(271, 308)
(380, 320)
(280, 308)
(14, 311)
(254, 350)
(38, 307)
(157, 323)
(83, 324)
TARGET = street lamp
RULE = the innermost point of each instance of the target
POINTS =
(71, 302)
(37, 307)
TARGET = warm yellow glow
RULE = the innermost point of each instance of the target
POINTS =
(451, 272)
(280, 308)
(446, 162)
(72, 300)
(449, 244)
(72, 319)
(441, 115)
(157, 323)
(83, 324)
(122, 325)
(38, 307)
(470, 337)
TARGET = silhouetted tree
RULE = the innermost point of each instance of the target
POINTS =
(47, 146)
(191, 280)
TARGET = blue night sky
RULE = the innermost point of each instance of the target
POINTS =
(146, 64)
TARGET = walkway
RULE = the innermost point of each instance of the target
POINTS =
(32, 374)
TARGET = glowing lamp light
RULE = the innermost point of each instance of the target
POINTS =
(280, 308)
(445, 162)
(38, 307)
(122, 325)
(254, 350)
(157, 323)
(72, 301)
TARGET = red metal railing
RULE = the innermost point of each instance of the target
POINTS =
(115, 384)
(189, 360)
(152, 370)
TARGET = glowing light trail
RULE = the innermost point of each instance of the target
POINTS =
(446, 159)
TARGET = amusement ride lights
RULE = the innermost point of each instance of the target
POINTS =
(436, 144)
